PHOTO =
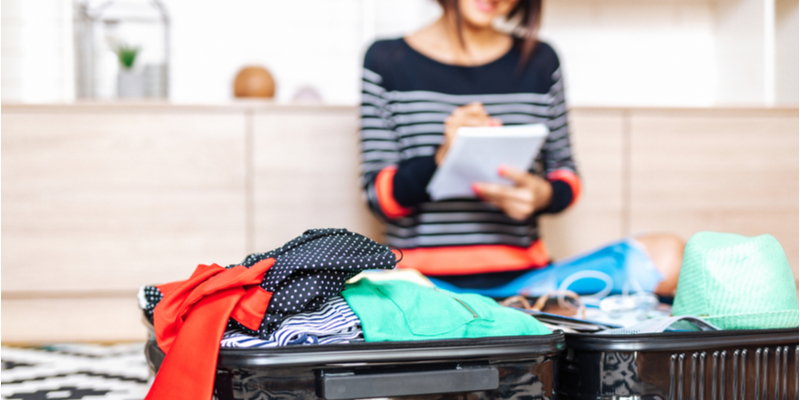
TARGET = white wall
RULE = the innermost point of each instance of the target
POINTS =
(37, 51)
(318, 43)
(786, 55)
(614, 52)
(299, 45)
(741, 27)
(633, 52)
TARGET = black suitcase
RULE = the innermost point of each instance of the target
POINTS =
(521, 367)
(737, 365)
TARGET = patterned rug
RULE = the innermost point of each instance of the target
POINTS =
(75, 371)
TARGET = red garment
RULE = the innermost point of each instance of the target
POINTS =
(191, 318)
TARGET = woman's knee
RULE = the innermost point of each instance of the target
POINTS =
(666, 251)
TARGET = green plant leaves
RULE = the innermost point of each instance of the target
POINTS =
(126, 55)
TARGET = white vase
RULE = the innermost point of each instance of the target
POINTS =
(130, 83)
(155, 80)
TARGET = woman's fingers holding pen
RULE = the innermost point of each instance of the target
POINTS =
(472, 114)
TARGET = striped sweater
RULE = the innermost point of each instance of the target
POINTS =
(406, 97)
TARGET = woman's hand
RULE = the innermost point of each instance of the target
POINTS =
(472, 114)
(529, 193)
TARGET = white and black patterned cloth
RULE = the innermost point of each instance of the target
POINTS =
(74, 371)
(308, 270)
(335, 322)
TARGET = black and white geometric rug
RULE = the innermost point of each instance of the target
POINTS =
(74, 372)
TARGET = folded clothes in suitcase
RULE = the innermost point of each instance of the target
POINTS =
(334, 340)
(712, 365)
(521, 367)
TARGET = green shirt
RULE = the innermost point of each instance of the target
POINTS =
(400, 311)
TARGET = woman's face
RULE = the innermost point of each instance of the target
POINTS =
(480, 13)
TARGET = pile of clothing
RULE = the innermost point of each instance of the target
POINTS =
(303, 293)
(297, 295)
(727, 282)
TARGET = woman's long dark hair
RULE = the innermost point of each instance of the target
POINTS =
(527, 14)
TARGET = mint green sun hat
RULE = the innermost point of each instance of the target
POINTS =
(737, 282)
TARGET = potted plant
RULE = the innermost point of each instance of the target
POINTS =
(130, 83)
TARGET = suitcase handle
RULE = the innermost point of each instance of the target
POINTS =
(348, 385)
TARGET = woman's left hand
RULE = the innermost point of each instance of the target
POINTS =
(529, 193)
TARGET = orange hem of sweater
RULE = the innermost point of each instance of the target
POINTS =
(462, 260)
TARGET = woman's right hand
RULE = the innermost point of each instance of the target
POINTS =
(472, 114)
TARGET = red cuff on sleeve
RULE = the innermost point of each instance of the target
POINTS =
(384, 186)
(570, 178)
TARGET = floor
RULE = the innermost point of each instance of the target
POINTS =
(75, 371)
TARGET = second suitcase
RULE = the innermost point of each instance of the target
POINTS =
(713, 365)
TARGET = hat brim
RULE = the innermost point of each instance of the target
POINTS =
(766, 320)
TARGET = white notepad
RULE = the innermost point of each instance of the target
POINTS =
(477, 154)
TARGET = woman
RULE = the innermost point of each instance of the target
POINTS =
(461, 71)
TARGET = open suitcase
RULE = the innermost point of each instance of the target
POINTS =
(522, 367)
(713, 365)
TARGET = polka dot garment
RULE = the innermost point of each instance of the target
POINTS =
(308, 270)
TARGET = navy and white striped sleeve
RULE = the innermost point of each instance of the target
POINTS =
(559, 166)
(380, 147)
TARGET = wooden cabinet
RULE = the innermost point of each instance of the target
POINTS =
(118, 199)
(100, 199)
(721, 170)
(597, 216)
(306, 175)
